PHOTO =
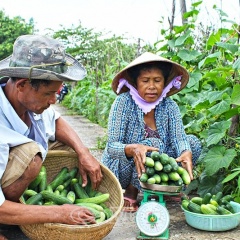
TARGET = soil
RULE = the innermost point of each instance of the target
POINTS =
(125, 227)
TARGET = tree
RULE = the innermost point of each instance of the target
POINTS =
(10, 29)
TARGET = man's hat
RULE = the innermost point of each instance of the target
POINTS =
(177, 70)
(41, 57)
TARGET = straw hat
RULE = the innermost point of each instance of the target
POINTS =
(177, 70)
(41, 57)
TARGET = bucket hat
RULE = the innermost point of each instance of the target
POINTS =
(177, 70)
(41, 57)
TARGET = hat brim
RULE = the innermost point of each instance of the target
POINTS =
(177, 70)
(75, 71)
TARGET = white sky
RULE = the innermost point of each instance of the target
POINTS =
(130, 18)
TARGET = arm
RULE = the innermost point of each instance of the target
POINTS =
(88, 165)
(18, 214)
(122, 144)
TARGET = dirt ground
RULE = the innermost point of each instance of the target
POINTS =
(125, 227)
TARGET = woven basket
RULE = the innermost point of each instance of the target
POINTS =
(54, 162)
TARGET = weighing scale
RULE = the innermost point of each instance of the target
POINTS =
(152, 217)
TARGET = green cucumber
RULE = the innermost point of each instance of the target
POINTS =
(58, 199)
(29, 192)
(164, 158)
(186, 177)
(164, 177)
(33, 200)
(205, 209)
(144, 177)
(223, 211)
(108, 212)
(167, 168)
(158, 166)
(43, 182)
(149, 162)
(151, 180)
(197, 200)
(71, 196)
(80, 191)
(155, 155)
(92, 205)
(193, 207)
(60, 178)
(157, 178)
(207, 198)
(174, 176)
(184, 204)
(97, 199)
(101, 218)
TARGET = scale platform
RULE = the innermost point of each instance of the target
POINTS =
(152, 217)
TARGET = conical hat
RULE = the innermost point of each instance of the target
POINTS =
(177, 70)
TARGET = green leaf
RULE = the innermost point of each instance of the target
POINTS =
(235, 95)
(209, 59)
(231, 176)
(236, 65)
(231, 47)
(218, 157)
(217, 131)
(221, 107)
(212, 184)
(187, 55)
(180, 41)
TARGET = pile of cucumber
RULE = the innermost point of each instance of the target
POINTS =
(164, 170)
(66, 188)
(216, 204)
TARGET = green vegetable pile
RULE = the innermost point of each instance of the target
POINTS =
(66, 188)
(164, 170)
(209, 204)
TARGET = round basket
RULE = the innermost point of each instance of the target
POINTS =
(54, 162)
(214, 222)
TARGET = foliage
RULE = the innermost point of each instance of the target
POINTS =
(10, 29)
(103, 57)
(210, 104)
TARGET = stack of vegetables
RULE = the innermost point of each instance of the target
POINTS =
(209, 204)
(66, 188)
(164, 170)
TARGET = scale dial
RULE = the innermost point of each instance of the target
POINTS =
(152, 218)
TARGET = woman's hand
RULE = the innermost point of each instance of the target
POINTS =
(138, 152)
(186, 160)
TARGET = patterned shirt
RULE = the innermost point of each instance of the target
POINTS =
(126, 126)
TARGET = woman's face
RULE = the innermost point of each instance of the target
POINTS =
(150, 84)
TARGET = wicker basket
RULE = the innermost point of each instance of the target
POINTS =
(53, 231)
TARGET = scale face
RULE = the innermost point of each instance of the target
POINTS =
(152, 218)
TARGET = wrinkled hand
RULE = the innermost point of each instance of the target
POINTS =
(74, 215)
(138, 152)
(90, 166)
(186, 160)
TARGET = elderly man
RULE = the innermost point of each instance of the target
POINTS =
(29, 127)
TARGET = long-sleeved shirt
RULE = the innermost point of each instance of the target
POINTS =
(126, 126)
(13, 131)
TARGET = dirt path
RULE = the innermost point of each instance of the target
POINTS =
(125, 227)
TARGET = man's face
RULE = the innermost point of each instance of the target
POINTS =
(37, 100)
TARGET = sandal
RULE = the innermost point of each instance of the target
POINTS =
(133, 205)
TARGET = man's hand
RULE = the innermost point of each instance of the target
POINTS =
(90, 166)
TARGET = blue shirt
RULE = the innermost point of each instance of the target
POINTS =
(13, 131)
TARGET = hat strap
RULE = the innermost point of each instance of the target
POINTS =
(46, 65)
(144, 105)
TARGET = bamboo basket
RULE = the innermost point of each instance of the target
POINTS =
(54, 162)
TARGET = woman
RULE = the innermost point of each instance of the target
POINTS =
(143, 119)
